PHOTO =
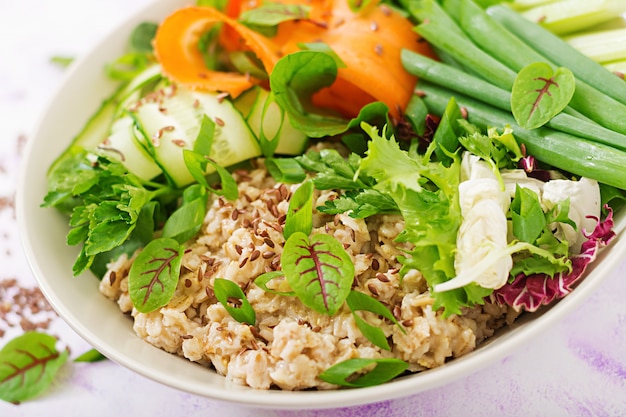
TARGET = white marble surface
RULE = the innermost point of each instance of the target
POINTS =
(577, 368)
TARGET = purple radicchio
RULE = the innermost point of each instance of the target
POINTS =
(529, 292)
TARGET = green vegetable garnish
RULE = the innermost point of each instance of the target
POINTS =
(154, 274)
(228, 292)
(539, 94)
(358, 301)
(28, 365)
(318, 270)
(385, 369)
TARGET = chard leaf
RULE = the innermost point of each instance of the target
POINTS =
(385, 369)
(232, 297)
(358, 301)
(300, 212)
(28, 365)
(153, 276)
(318, 270)
(539, 93)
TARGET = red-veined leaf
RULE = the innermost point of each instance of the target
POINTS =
(318, 270)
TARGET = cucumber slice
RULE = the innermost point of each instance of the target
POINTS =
(268, 121)
(97, 128)
(173, 123)
(124, 145)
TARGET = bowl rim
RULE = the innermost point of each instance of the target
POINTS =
(484, 355)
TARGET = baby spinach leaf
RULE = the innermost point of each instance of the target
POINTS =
(319, 271)
(385, 370)
(358, 301)
(294, 80)
(153, 276)
(272, 14)
(539, 94)
(300, 211)
(28, 365)
(227, 292)
(262, 280)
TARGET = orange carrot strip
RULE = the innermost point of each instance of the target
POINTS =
(369, 43)
(175, 46)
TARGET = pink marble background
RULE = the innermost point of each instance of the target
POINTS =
(577, 368)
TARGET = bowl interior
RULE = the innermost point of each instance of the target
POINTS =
(99, 321)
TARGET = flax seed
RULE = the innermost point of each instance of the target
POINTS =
(373, 289)
(255, 255)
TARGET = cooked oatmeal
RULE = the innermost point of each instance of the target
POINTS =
(292, 344)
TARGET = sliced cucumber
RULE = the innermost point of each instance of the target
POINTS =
(97, 128)
(268, 121)
(173, 123)
(126, 146)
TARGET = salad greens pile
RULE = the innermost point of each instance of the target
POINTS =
(525, 107)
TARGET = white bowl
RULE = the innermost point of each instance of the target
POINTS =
(100, 322)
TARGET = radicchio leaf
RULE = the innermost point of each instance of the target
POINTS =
(319, 271)
(529, 292)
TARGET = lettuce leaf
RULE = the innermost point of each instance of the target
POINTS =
(530, 291)
(426, 194)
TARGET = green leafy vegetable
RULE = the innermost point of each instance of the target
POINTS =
(129, 65)
(106, 203)
(300, 211)
(527, 215)
(187, 220)
(154, 274)
(92, 355)
(285, 170)
(296, 77)
(28, 365)
(333, 171)
(346, 373)
(227, 292)
(358, 301)
(318, 270)
(142, 35)
(426, 194)
(271, 14)
(262, 280)
(539, 94)
(197, 165)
